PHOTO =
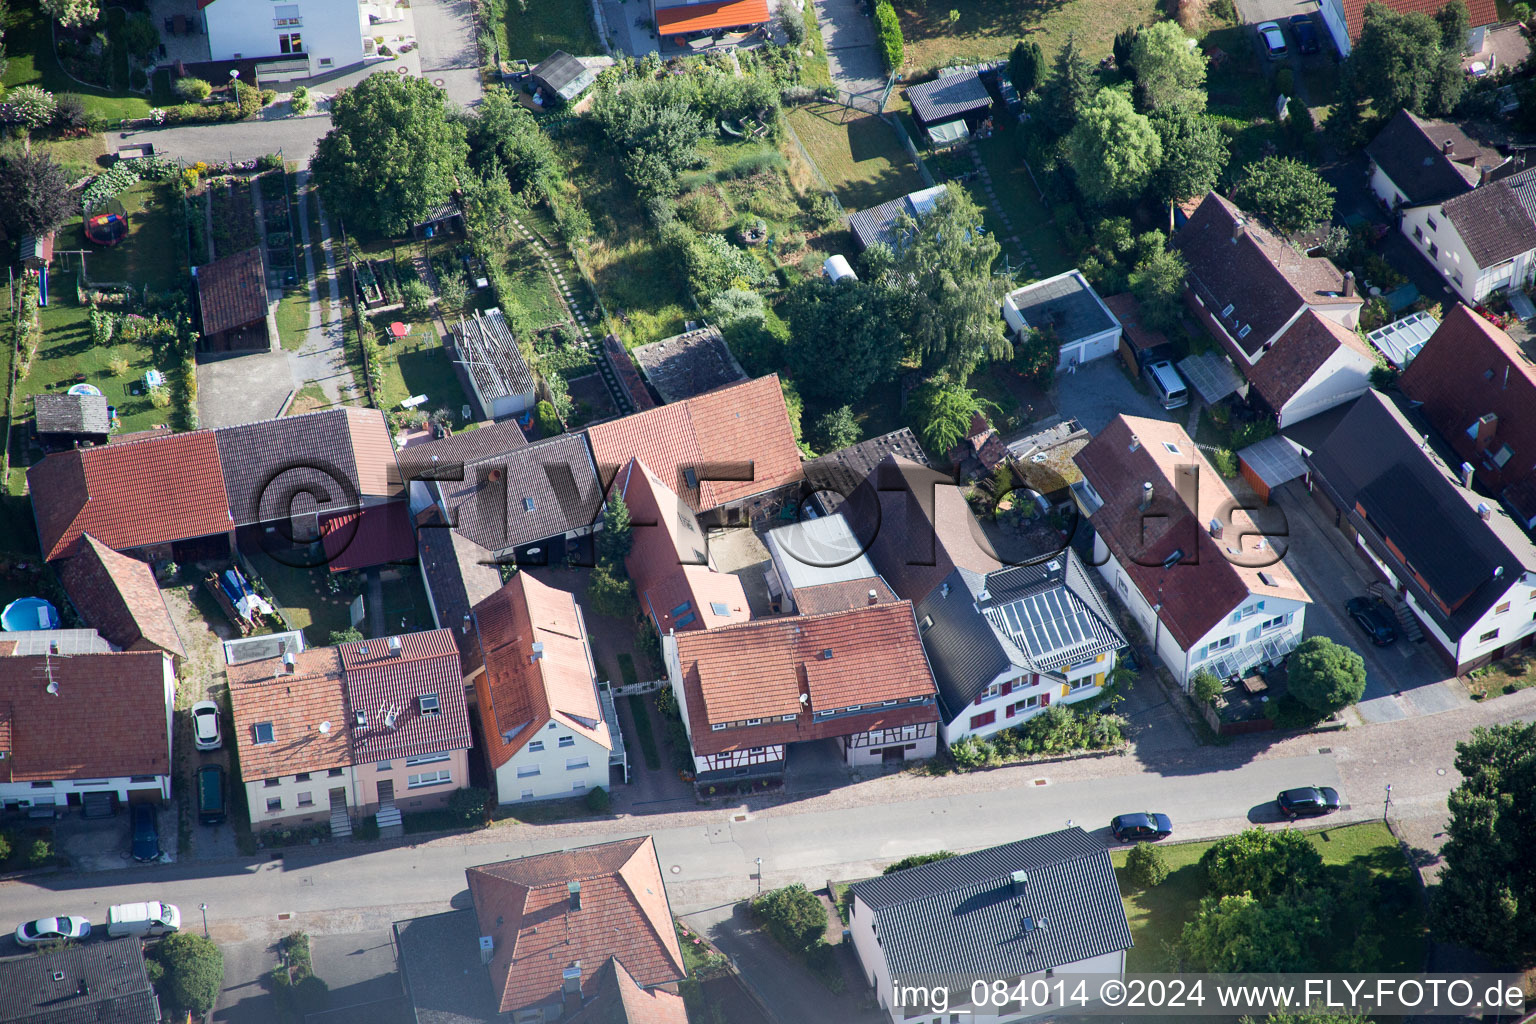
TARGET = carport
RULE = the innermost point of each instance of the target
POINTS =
(1270, 463)
(1212, 375)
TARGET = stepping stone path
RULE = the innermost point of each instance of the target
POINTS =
(594, 344)
(985, 176)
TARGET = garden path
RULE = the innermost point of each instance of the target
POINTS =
(322, 358)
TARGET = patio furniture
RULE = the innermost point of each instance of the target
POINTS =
(398, 329)
(1254, 684)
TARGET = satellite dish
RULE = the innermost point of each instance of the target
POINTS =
(325, 727)
(53, 688)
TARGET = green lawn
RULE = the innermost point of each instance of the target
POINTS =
(988, 28)
(293, 317)
(150, 253)
(29, 45)
(1157, 916)
(531, 283)
(304, 597)
(417, 365)
(1003, 155)
(542, 26)
(859, 154)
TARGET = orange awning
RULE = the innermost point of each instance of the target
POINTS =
(708, 17)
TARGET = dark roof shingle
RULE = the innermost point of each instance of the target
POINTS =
(948, 97)
(1411, 151)
(524, 494)
(97, 982)
(1493, 223)
(232, 292)
(71, 414)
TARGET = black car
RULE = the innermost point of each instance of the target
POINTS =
(1136, 828)
(210, 794)
(1308, 802)
(146, 833)
(1374, 618)
(1307, 40)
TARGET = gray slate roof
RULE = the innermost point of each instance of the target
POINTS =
(878, 223)
(961, 916)
(440, 966)
(557, 477)
(688, 364)
(949, 97)
(834, 476)
(71, 414)
(566, 76)
(1493, 221)
(116, 987)
(270, 461)
(1410, 150)
(1067, 303)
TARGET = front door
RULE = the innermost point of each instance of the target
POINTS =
(386, 791)
(339, 798)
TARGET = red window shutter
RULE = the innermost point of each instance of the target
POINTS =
(983, 719)
(1013, 709)
(1007, 688)
(1045, 698)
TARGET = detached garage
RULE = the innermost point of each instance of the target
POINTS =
(1068, 306)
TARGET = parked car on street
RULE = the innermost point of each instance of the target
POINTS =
(1273, 40)
(1307, 39)
(1372, 616)
(146, 833)
(1137, 828)
(1308, 802)
(52, 929)
(142, 919)
(205, 726)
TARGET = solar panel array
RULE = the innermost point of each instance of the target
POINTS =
(1048, 622)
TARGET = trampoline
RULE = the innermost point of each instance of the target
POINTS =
(29, 613)
(84, 389)
(106, 228)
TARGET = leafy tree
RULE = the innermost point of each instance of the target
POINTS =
(1038, 354)
(1455, 26)
(72, 13)
(1170, 74)
(349, 635)
(917, 860)
(942, 284)
(34, 193)
(1262, 864)
(391, 155)
(1205, 687)
(489, 206)
(30, 106)
(837, 429)
(1025, 66)
(1195, 152)
(1071, 85)
(1487, 888)
(139, 36)
(503, 132)
(1292, 195)
(1401, 62)
(1145, 866)
(610, 593)
(616, 537)
(794, 406)
(1158, 284)
(1113, 149)
(793, 915)
(841, 340)
(1324, 675)
(654, 131)
(1346, 120)
(942, 408)
(1240, 934)
(191, 974)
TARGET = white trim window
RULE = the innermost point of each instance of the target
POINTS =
(425, 779)
(412, 762)
(527, 771)
(575, 763)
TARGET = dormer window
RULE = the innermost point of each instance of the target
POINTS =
(429, 704)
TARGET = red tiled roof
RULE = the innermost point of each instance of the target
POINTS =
(1470, 369)
(526, 907)
(738, 431)
(769, 668)
(707, 17)
(130, 495)
(614, 997)
(1208, 581)
(295, 704)
(1483, 12)
(376, 535)
(119, 598)
(1128, 311)
(107, 720)
(1299, 352)
(232, 292)
(379, 680)
(840, 596)
(518, 693)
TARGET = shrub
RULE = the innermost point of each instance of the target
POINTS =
(416, 296)
(469, 804)
(29, 105)
(970, 752)
(1225, 462)
(138, 81)
(549, 420)
(1145, 866)
(5, 847)
(1261, 863)
(345, 636)
(793, 916)
(888, 28)
(1205, 687)
(193, 90)
(191, 970)
(39, 854)
(1285, 81)
(270, 162)
(69, 113)
(793, 23)
(597, 800)
(918, 860)
(300, 100)
(267, 96)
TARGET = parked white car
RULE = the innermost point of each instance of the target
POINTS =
(143, 919)
(206, 734)
(52, 929)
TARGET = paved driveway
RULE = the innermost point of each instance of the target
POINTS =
(243, 389)
(851, 54)
(1255, 11)
(445, 31)
(1101, 390)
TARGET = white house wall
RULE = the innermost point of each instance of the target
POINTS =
(1026, 685)
(555, 778)
(331, 31)
(1333, 16)
(1168, 649)
(1512, 624)
(1453, 260)
(1383, 186)
(27, 794)
(1093, 347)
(1344, 375)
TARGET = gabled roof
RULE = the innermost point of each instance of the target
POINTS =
(1411, 150)
(380, 680)
(1374, 459)
(80, 983)
(712, 449)
(1298, 354)
(836, 475)
(837, 597)
(529, 685)
(686, 18)
(458, 578)
(864, 666)
(231, 292)
(361, 538)
(688, 364)
(1211, 577)
(131, 494)
(962, 916)
(566, 75)
(1483, 12)
(108, 718)
(1236, 261)
(949, 96)
(614, 997)
(525, 494)
(878, 223)
(290, 708)
(119, 597)
(492, 359)
(1470, 369)
(529, 907)
(422, 461)
(1493, 223)
(71, 414)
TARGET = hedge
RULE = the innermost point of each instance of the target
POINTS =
(888, 26)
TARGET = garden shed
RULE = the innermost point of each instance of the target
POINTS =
(232, 304)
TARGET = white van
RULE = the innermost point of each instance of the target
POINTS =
(143, 919)
(1165, 380)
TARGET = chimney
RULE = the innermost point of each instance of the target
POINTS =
(1146, 495)
(1239, 228)
(1447, 146)
(84, 989)
(288, 663)
(1135, 442)
(574, 888)
(394, 646)
(1349, 284)
(1482, 175)
(874, 597)
(1020, 881)
(1466, 475)
(1484, 511)
(538, 651)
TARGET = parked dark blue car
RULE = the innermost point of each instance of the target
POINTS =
(1137, 828)
(146, 833)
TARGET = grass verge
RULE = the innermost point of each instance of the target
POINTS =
(644, 733)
